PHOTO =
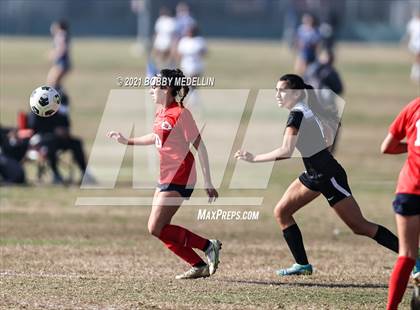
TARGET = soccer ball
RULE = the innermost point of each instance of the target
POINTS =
(45, 101)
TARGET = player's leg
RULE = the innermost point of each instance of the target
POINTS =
(54, 76)
(295, 197)
(339, 196)
(349, 211)
(180, 240)
(408, 233)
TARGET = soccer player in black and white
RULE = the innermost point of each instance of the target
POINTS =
(323, 174)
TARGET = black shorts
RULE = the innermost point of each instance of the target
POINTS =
(184, 190)
(334, 188)
(407, 204)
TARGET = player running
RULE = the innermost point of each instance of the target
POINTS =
(174, 130)
(323, 175)
(60, 55)
(407, 200)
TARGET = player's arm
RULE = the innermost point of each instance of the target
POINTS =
(205, 167)
(143, 140)
(397, 132)
(283, 152)
(391, 145)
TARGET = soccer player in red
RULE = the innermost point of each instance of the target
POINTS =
(174, 130)
(407, 200)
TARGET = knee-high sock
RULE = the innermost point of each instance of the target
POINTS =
(183, 237)
(294, 240)
(386, 238)
(398, 281)
(186, 254)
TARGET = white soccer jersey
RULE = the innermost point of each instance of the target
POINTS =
(191, 51)
(165, 29)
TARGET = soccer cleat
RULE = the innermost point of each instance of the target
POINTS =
(296, 269)
(194, 273)
(212, 254)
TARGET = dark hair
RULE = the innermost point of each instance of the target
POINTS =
(63, 24)
(296, 82)
(177, 89)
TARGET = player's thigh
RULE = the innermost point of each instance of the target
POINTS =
(408, 228)
(349, 212)
(165, 205)
(296, 196)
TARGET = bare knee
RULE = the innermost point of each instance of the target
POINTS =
(154, 229)
(282, 214)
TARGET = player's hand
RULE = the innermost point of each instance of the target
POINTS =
(244, 155)
(211, 192)
(117, 136)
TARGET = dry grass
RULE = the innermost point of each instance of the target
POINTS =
(55, 255)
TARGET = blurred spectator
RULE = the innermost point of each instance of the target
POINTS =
(191, 50)
(327, 82)
(308, 39)
(413, 34)
(60, 55)
(184, 20)
(53, 134)
(164, 40)
(328, 28)
(12, 151)
(322, 73)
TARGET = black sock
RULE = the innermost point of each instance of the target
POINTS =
(386, 238)
(200, 264)
(294, 240)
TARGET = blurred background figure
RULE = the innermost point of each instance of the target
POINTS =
(191, 51)
(52, 135)
(164, 39)
(13, 148)
(60, 55)
(308, 39)
(328, 84)
(184, 20)
(329, 22)
(322, 73)
(413, 34)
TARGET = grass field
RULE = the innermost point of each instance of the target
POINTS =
(56, 255)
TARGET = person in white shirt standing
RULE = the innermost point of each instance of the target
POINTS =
(164, 40)
(191, 51)
(413, 33)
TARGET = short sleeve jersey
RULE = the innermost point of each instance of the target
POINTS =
(175, 129)
(407, 125)
(311, 143)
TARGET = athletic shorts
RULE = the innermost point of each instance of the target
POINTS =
(184, 190)
(334, 188)
(407, 204)
(64, 63)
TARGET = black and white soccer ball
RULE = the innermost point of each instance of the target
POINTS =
(45, 101)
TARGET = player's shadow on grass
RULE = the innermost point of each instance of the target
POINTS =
(308, 284)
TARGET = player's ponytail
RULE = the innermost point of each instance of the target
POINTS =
(308, 93)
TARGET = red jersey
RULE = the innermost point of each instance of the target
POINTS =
(407, 124)
(175, 129)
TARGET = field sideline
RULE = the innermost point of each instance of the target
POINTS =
(55, 255)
